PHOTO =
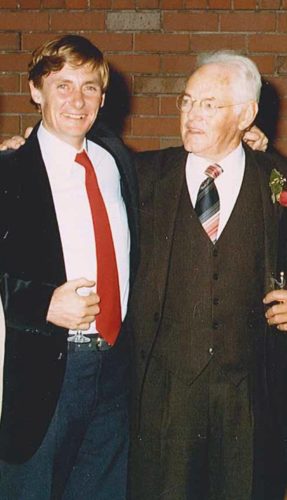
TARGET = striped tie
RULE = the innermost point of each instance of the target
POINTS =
(207, 204)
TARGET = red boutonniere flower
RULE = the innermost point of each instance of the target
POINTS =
(278, 187)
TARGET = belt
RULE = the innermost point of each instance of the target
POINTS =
(97, 344)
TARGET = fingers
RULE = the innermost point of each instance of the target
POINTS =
(276, 312)
(276, 315)
(277, 318)
(82, 321)
(92, 299)
(256, 139)
(83, 324)
(88, 308)
(16, 141)
(275, 296)
(79, 283)
(13, 143)
(258, 145)
(28, 132)
(71, 309)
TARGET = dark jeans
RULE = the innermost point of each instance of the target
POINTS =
(84, 453)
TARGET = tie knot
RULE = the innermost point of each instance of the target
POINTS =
(213, 171)
(83, 159)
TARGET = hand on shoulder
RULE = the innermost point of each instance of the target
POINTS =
(16, 141)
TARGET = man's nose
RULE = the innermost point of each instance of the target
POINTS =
(78, 98)
(195, 109)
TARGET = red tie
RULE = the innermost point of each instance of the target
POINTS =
(109, 318)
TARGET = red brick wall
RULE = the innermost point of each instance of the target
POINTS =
(151, 45)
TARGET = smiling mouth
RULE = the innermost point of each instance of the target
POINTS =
(74, 117)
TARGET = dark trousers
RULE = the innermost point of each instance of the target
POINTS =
(84, 453)
(196, 441)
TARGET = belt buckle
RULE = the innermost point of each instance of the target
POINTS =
(101, 344)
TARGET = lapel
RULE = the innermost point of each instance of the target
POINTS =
(36, 191)
(271, 213)
(166, 199)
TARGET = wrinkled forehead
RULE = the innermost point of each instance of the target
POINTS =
(213, 80)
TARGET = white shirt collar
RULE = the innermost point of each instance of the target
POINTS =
(58, 153)
(200, 164)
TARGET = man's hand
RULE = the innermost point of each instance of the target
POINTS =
(277, 313)
(16, 141)
(70, 310)
(256, 139)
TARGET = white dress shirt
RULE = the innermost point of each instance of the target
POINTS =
(67, 180)
(228, 183)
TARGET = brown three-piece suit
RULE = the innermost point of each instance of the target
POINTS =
(201, 380)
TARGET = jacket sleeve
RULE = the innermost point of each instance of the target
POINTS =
(25, 301)
(26, 304)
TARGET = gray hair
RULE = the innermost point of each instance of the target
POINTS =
(250, 85)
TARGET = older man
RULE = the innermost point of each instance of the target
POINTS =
(208, 246)
(67, 237)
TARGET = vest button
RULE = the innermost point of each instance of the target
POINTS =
(215, 276)
(211, 351)
(215, 252)
(156, 317)
(215, 325)
(216, 301)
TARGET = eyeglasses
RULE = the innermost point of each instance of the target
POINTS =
(208, 107)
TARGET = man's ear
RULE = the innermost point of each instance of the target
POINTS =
(103, 100)
(35, 93)
(248, 115)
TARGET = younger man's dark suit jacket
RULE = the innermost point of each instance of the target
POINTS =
(32, 266)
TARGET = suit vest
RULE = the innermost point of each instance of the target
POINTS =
(213, 307)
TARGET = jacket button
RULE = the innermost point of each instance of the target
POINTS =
(215, 276)
(215, 325)
(216, 301)
(201, 436)
(156, 316)
(215, 252)
(211, 351)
